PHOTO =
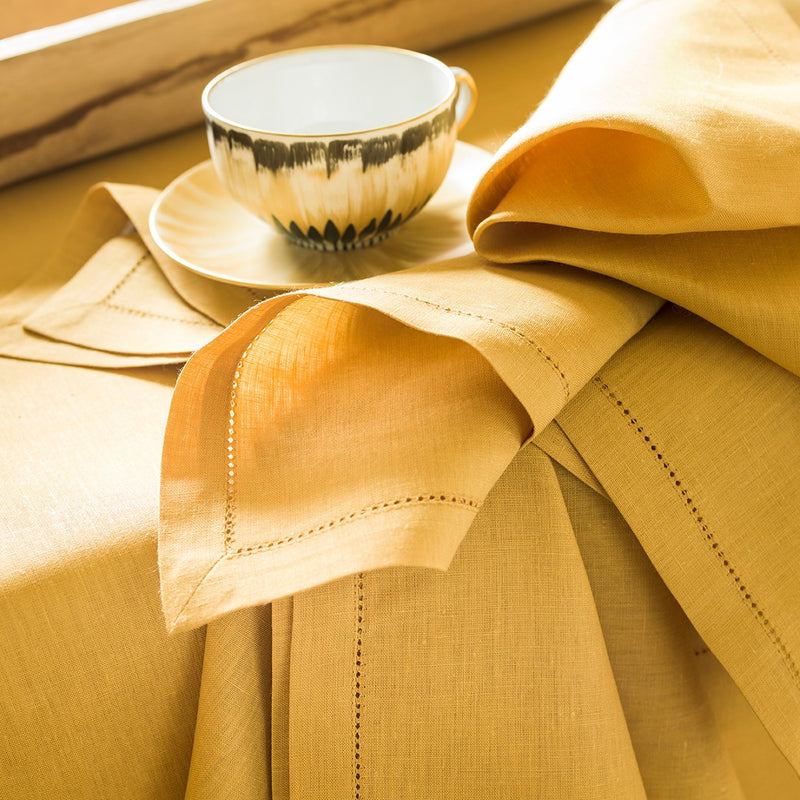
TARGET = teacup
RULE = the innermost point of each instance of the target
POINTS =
(336, 146)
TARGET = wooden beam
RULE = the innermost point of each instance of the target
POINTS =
(122, 76)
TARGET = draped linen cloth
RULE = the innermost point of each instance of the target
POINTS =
(589, 430)
(520, 525)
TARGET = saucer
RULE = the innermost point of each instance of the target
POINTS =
(196, 223)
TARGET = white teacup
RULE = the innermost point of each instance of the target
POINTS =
(336, 146)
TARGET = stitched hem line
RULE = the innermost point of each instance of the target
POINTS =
(127, 276)
(358, 688)
(757, 35)
(228, 532)
(150, 315)
(683, 492)
(548, 359)
(367, 511)
(229, 524)
(106, 301)
(177, 617)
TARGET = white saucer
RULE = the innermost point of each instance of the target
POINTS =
(196, 223)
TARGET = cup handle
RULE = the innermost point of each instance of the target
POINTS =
(467, 95)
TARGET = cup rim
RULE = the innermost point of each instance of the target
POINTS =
(213, 116)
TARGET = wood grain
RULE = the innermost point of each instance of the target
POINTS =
(107, 81)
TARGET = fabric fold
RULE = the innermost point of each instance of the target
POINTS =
(130, 309)
(492, 679)
(314, 437)
(700, 456)
(671, 167)
(110, 298)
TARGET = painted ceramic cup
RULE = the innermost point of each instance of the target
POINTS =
(336, 146)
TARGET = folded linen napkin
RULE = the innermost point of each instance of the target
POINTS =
(109, 297)
(315, 437)
(673, 167)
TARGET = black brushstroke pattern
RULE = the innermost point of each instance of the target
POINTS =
(277, 156)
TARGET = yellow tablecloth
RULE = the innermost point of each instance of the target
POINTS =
(551, 659)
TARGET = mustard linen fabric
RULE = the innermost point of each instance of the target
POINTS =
(524, 671)
(549, 660)
(231, 756)
(110, 298)
(570, 647)
(343, 439)
(597, 625)
(666, 155)
(705, 447)
(96, 700)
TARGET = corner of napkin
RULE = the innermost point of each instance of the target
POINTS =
(363, 425)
